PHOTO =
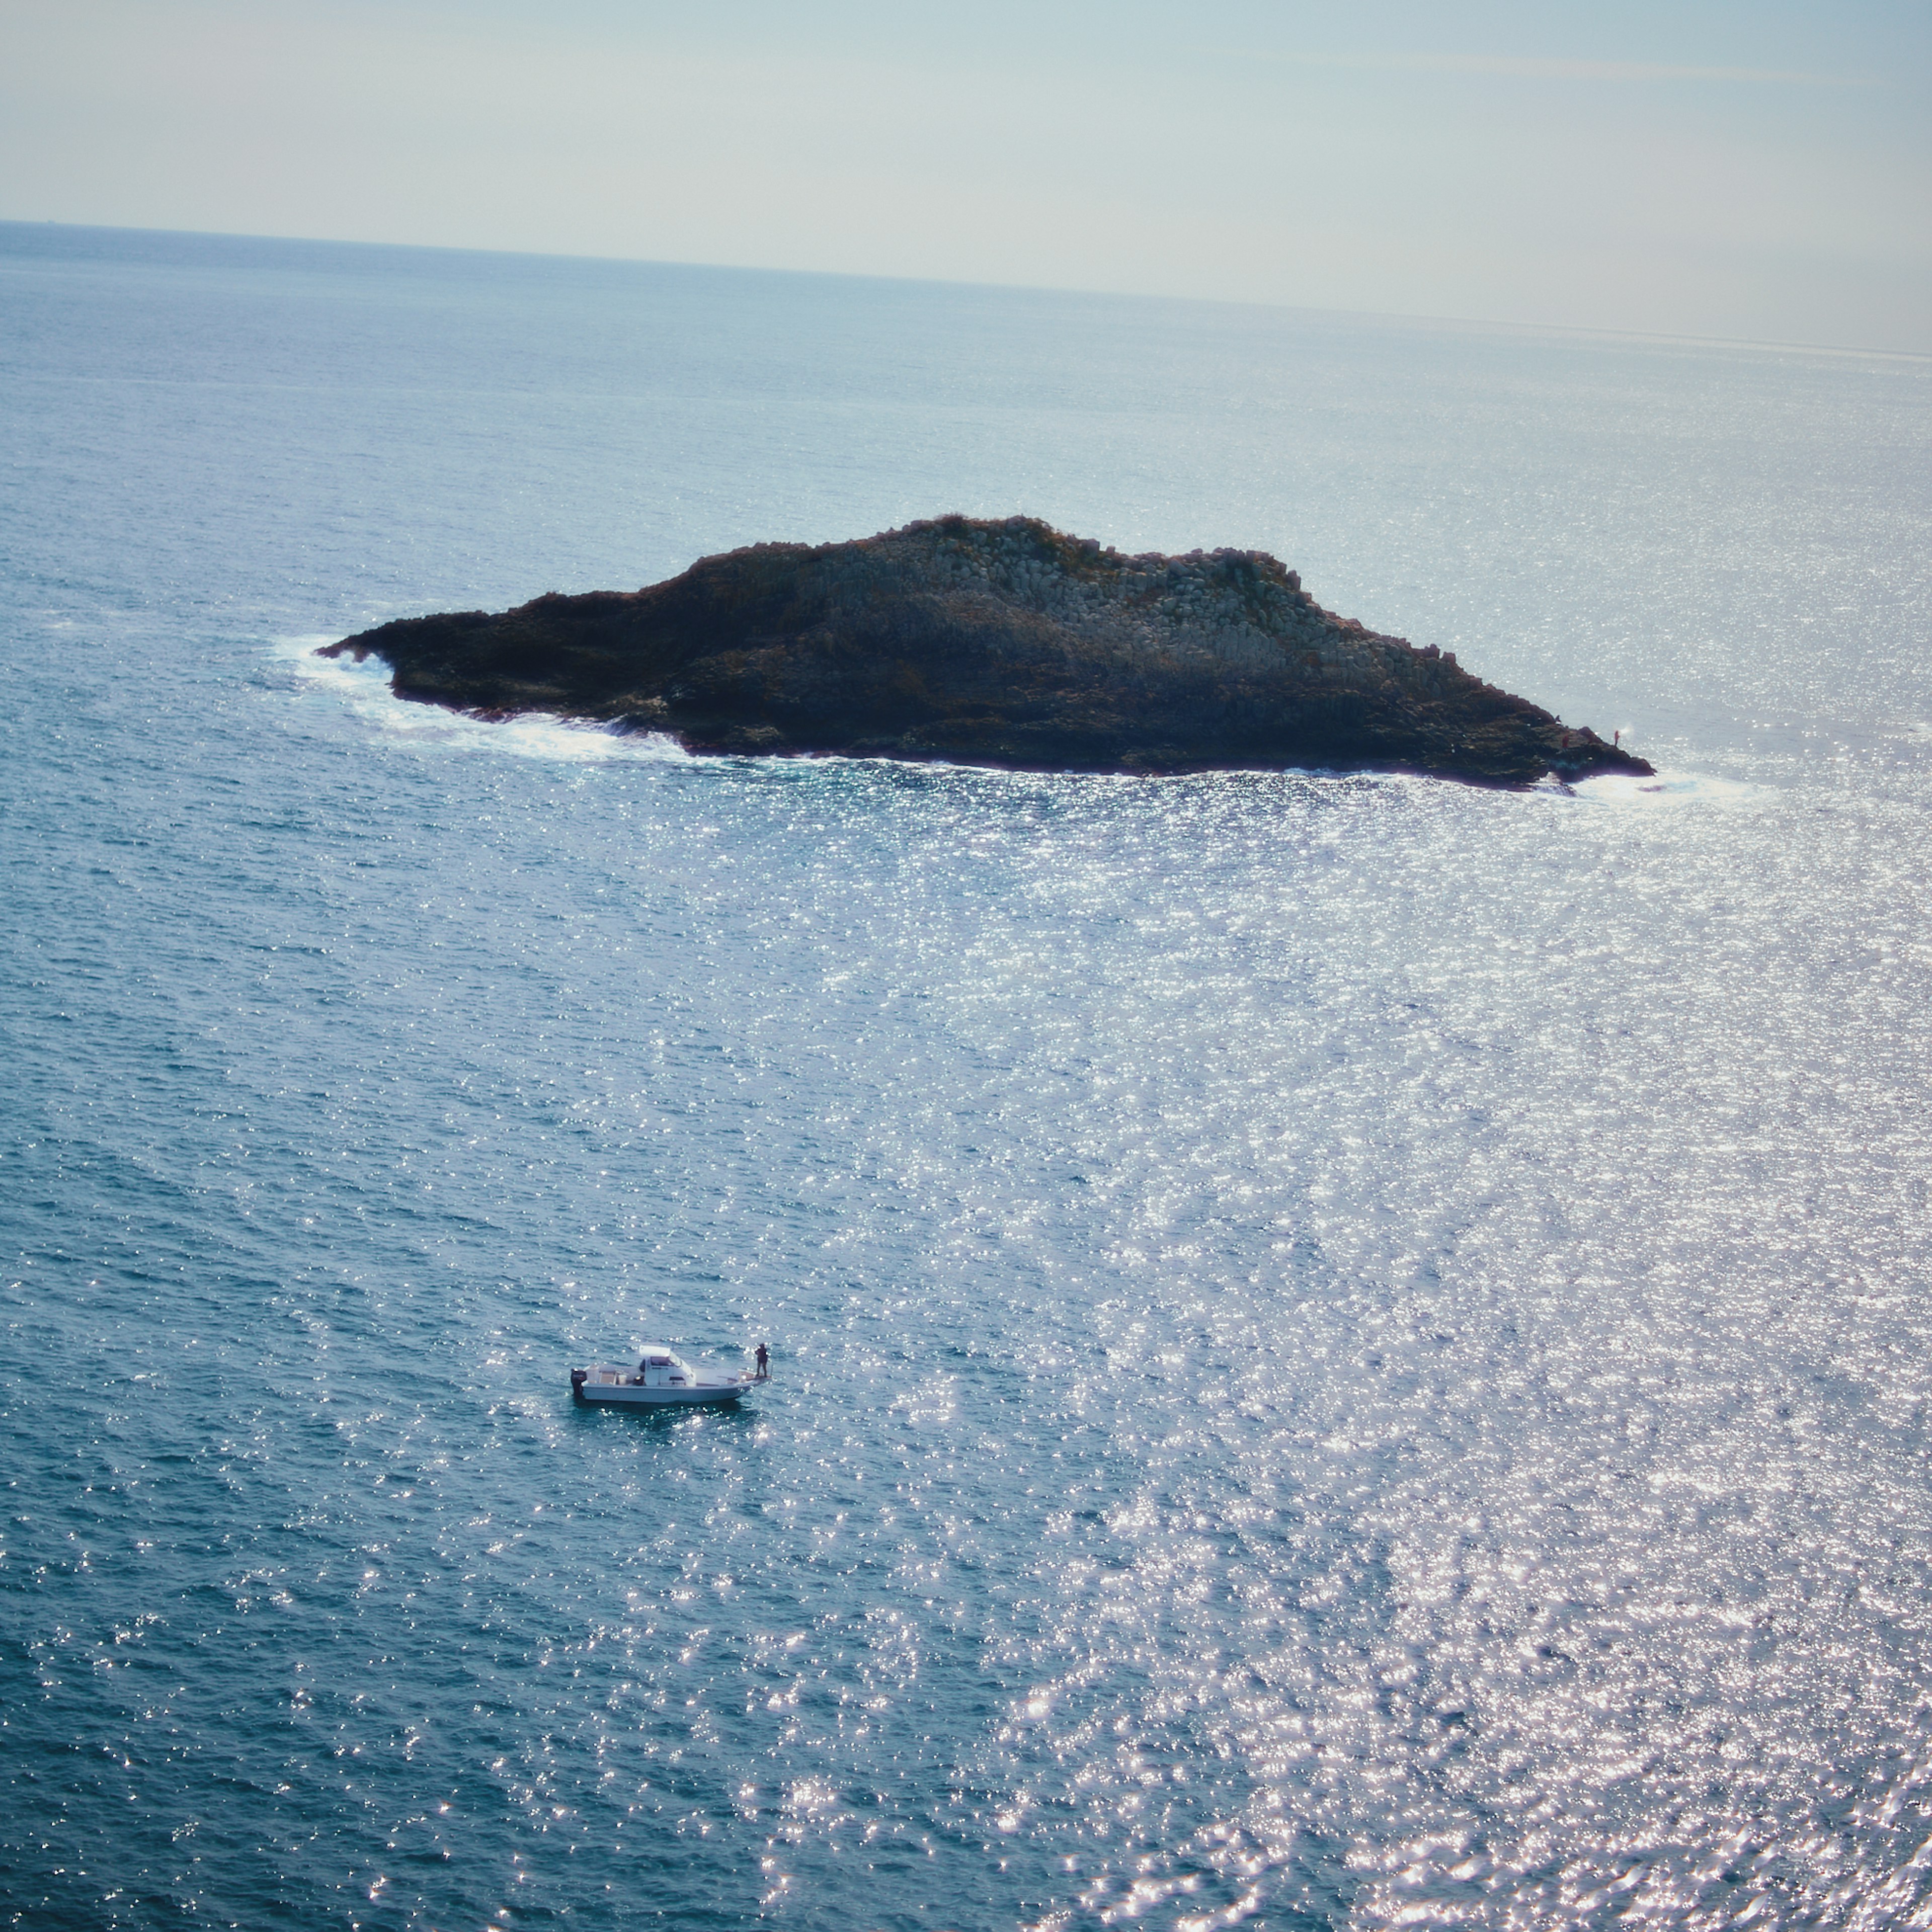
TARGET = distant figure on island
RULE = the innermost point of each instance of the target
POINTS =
(764, 1361)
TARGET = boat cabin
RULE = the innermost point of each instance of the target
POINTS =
(660, 1369)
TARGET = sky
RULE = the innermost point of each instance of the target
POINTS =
(1758, 172)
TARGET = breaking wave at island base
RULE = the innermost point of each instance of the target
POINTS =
(364, 688)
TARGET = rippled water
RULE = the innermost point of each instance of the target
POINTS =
(1350, 1351)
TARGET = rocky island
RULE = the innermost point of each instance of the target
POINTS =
(989, 643)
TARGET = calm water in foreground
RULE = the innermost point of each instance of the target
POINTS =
(1351, 1351)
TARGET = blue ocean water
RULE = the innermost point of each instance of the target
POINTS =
(1350, 1351)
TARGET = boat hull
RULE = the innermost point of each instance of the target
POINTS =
(651, 1398)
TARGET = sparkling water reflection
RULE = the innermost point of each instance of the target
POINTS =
(1350, 1351)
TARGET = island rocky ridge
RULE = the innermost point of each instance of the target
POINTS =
(989, 643)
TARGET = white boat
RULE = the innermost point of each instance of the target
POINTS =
(660, 1380)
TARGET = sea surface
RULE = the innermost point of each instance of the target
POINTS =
(1349, 1351)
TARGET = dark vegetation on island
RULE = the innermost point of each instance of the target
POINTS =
(990, 643)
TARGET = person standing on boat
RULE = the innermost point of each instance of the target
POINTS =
(763, 1358)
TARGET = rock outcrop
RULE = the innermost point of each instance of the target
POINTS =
(1001, 643)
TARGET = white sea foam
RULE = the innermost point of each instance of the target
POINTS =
(1665, 788)
(364, 688)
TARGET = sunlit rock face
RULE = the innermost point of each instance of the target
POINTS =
(989, 643)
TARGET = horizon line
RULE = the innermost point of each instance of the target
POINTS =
(1597, 330)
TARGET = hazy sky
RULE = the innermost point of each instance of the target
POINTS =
(1761, 170)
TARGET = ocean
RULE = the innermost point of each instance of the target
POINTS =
(1349, 1350)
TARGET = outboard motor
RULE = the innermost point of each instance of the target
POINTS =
(576, 1376)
